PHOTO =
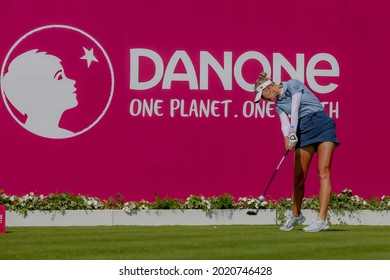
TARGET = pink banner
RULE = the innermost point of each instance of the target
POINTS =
(146, 97)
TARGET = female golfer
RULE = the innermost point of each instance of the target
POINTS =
(307, 128)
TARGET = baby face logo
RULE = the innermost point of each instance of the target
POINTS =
(57, 81)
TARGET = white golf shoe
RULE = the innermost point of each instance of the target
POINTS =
(292, 222)
(317, 225)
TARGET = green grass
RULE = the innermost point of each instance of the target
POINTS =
(194, 243)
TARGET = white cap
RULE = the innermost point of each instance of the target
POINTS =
(259, 90)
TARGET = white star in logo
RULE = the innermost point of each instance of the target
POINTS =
(89, 57)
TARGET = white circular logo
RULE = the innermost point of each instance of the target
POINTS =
(57, 81)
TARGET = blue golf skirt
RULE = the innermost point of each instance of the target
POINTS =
(316, 128)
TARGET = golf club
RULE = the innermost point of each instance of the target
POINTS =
(261, 198)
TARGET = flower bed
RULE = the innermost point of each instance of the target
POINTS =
(69, 209)
(345, 201)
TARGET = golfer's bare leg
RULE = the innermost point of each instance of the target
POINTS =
(325, 153)
(302, 161)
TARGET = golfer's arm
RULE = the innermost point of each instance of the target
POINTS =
(296, 102)
(285, 122)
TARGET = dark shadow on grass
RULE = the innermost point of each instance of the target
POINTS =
(336, 230)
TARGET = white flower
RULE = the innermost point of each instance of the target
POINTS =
(129, 206)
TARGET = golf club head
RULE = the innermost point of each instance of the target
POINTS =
(252, 212)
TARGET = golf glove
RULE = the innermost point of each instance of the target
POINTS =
(293, 139)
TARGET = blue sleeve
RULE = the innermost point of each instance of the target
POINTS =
(294, 86)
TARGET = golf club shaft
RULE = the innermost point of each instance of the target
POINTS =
(251, 212)
(276, 170)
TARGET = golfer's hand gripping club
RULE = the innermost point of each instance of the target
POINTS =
(292, 139)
